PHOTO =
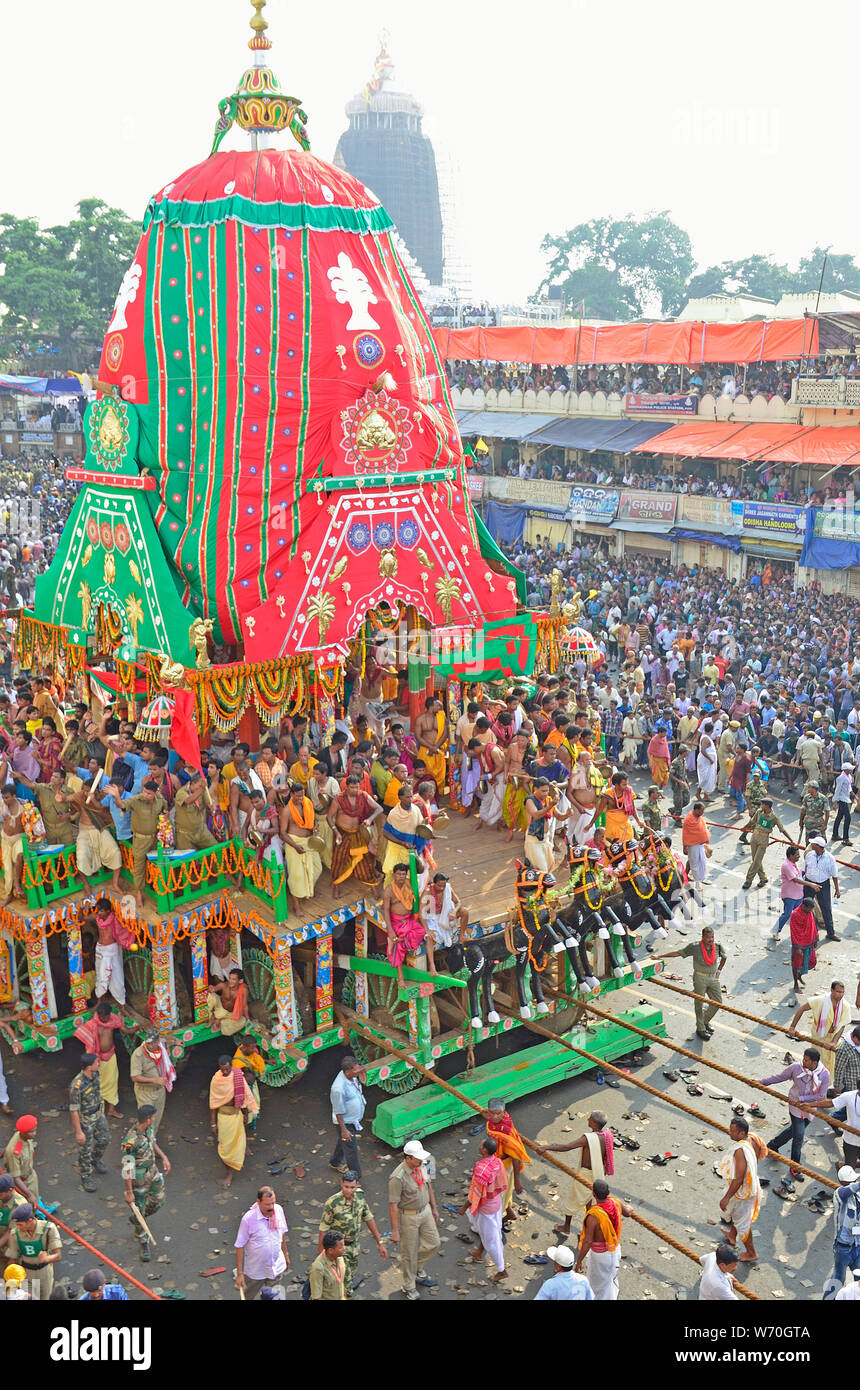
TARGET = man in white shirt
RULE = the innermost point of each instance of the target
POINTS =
(717, 1283)
(844, 799)
(819, 867)
(262, 1257)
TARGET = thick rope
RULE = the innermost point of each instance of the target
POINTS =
(150, 1293)
(661, 1095)
(739, 1013)
(715, 1066)
(536, 1148)
(774, 840)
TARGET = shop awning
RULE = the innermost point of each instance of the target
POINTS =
(755, 441)
(463, 419)
(825, 446)
(589, 434)
(503, 424)
(693, 439)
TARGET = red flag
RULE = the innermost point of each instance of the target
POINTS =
(183, 732)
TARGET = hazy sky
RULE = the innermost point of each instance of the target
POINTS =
(556, 112)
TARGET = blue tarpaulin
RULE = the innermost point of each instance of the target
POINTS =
(678, 533)
(41, 385)
(505, 524)
(822, 553)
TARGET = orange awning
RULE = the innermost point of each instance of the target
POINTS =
(691, 440)
(825, 446)
(657, 343)
(755, 441)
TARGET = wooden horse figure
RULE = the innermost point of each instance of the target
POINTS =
(590, 916)
(642, 906)
(530, 939)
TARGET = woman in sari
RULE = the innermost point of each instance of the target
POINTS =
(706, 763)
(658, 758)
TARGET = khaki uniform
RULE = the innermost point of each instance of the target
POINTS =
(141, 1064)
(18, 1160)
(419, 1238)
(725, 750)
(759, 841)
(24, 1250)
(144, 832)
(57, 831)
(706, 980)
(189, 824)
(328, 1279)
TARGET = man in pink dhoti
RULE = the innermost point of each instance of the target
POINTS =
(405, 930)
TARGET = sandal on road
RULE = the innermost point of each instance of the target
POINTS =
(535, 1260)
(757, 1111)
(672, 1075)
(694, 1089)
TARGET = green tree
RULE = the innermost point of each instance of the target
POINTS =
(626, 268)
(58, 285)
(757, 275)
(841, 272)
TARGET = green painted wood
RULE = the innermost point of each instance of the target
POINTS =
(419, 977)
(429, 1109)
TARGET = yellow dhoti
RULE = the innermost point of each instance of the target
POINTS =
(225, 1020)
(109, 1079)
(231, 1137)
(303, 871)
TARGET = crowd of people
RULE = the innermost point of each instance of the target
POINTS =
(719, 379)
(709, 687)
(607, 470)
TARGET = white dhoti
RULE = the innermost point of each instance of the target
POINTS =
(4, 1089)
(579, 1195)
(706, 771)
(539, 852)
(579, 825)
(109, 972)
(742, 1214)
(440, 925)
(488, 1229)
(698, 862)
(303, 871)
(13, 849)
(601, 1268)
(492, 800)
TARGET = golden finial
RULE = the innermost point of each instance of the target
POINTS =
(259, 27)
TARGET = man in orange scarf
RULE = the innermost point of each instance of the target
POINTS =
(511, 1151)
(600, 1241)
(297, 823)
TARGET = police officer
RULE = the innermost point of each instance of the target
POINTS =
(145, 809)
(10, 1198)
(756, 789)
(761, 824)
(814, 810)
(192, 802)
(34, 1243)
(144, 1183)
(652, 811)
(88, 1120)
